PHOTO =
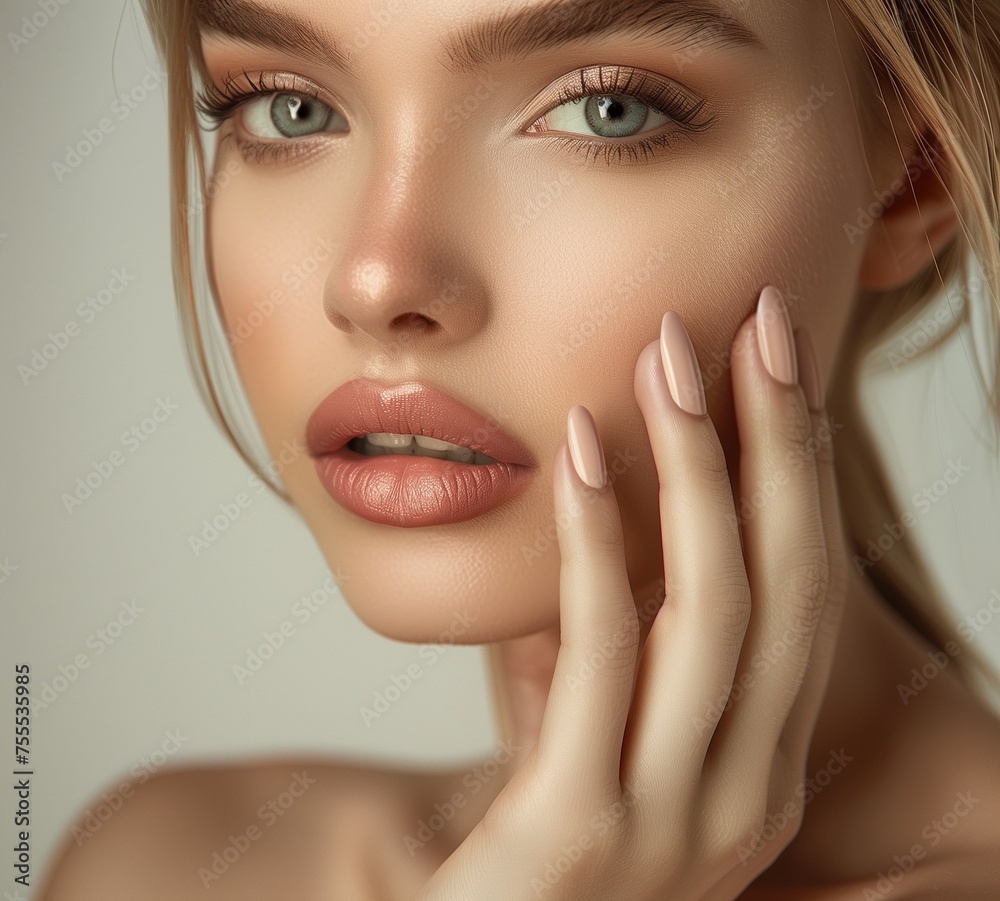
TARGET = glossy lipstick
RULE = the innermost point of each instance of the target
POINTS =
(403, 489)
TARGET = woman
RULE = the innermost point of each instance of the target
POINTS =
(562, 246)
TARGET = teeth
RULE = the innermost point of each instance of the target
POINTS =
(389, 439)
(376, 443)
(435, 443)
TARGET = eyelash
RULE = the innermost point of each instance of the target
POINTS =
(219, 103)
(663, 97)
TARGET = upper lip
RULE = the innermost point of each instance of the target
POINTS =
(363, 405)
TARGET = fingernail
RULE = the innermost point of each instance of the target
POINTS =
(809, 374)
(774, 335)
(680, 365)
(585, 447)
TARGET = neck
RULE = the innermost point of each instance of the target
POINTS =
(872, 645)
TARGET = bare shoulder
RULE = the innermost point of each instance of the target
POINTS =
(251, 830)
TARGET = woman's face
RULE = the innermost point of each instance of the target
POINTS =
(447, 214)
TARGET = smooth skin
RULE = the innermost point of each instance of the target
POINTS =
(422, 270)
(631, 777)
(628, 782)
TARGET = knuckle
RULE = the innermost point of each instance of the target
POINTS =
(730, 832)
(760, 833)
(797, 427)
(698, 447)
(608, 526)
(733, 608)
(613, 820)
(706, 454)
(808, 585)
(622, 642)
(615, 648)
(600, 521)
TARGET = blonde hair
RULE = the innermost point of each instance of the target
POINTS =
(941, 59)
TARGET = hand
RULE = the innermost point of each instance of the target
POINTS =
(645, 784)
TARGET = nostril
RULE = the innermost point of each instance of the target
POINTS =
(419, 320)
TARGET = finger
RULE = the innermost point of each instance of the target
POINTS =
(797, 736)
(692, 650)
(587, 706)
(784, 545)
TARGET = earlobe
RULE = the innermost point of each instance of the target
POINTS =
(918, 221)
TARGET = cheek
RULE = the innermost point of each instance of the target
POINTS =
(601, 259)
(268, 258)
(577, 266)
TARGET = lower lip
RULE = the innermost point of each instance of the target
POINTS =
(408, 491)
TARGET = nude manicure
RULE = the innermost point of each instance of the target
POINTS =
(774, 335)
(680, 365)
(585, 447)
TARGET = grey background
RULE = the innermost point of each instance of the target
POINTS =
(170, 671)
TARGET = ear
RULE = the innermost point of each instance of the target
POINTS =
(918, 221)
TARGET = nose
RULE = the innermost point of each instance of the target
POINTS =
(406, 268)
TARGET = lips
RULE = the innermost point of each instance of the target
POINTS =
(363, 406)
(410, 490)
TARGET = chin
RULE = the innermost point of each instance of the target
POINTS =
(485, 580)
(488, 579)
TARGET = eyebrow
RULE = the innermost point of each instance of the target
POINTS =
(692, 24)
(251, 23)
(509, 35)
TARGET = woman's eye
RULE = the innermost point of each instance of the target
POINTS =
(604, 116)
(287, 115)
